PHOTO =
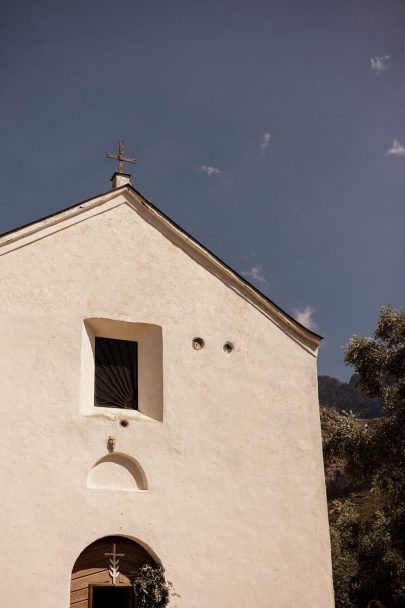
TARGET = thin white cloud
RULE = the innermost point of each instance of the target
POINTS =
(305, 317)
(264, 144)
(396, 150)
(209, 170)
(255, 273)
(379, 64)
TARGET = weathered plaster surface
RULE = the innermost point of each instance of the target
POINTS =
(235, 507)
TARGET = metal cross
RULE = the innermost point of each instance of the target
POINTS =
(114, 563)
(121, 158)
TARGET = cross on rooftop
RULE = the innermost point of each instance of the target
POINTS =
(121, 158)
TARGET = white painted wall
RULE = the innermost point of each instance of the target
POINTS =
(235, 507)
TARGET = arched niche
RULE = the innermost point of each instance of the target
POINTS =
(117, 472)
(96, 582)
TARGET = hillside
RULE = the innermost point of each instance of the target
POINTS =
(347, 396)
(338, 484)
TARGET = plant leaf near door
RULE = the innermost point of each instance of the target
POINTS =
(151, 588)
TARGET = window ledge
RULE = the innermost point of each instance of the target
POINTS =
(116, 414)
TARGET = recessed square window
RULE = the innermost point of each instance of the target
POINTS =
(116, 373)
(121, 368)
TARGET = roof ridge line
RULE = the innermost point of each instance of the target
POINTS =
(294, 326)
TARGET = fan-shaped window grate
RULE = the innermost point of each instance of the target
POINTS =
(116, 381)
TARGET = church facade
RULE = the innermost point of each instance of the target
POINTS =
(156, 408)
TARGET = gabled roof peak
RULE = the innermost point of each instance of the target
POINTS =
(126, 194)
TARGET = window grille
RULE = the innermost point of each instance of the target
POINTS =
(116, 373)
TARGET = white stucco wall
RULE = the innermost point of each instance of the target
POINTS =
(235, 507)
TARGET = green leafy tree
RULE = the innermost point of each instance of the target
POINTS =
(369, 552)
(152, 590)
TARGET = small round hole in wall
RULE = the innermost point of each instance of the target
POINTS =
(198, 343)
(124, 422)
(228, 347)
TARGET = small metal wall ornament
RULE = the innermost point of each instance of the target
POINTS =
(111, 443)
(114, 564)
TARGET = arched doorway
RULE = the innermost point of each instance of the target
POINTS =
(103, 573)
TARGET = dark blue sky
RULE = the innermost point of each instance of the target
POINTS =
(313, 213)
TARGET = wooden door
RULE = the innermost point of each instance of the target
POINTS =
(93, 572)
